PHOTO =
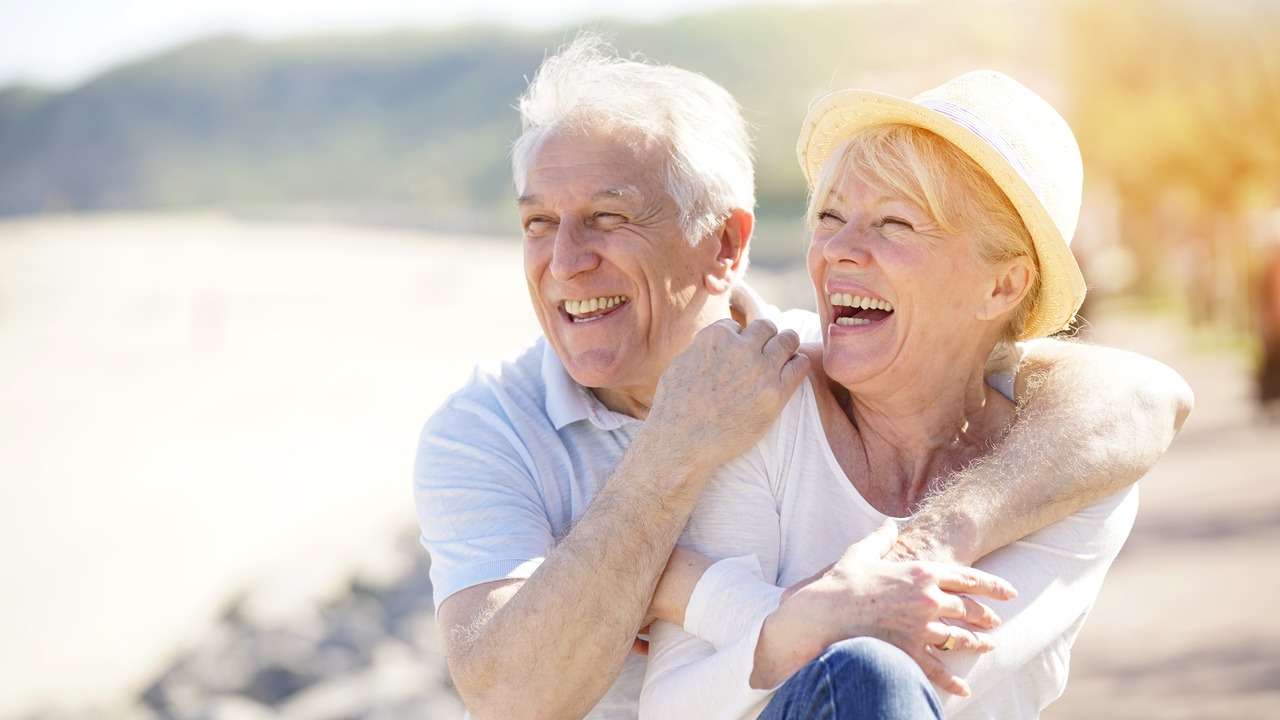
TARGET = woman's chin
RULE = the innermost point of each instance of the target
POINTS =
(851, 369)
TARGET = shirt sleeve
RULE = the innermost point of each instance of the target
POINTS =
(704, 669)
(481, 515)
(708, 675)
(738, 586)
(1058, 572)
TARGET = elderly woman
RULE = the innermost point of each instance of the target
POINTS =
(940, 231)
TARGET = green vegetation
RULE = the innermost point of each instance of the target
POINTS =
(414, 128)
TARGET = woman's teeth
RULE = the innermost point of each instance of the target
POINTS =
(859, 302)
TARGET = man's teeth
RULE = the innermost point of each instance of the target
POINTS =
(584, 307)
(858, 301)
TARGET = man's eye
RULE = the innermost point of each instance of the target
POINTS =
(538, 224)
(609, 220)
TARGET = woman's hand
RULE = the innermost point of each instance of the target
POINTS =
(903, 603)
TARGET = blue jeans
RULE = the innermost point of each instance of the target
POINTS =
(856, 679)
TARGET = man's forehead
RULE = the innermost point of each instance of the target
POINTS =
(630, 161)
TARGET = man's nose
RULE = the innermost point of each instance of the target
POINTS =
(573, 252)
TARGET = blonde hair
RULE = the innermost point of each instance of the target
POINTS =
(932, 173)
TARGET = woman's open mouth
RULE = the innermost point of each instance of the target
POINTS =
(849, 309)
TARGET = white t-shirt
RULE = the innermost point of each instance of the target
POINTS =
(508, 463)
(787, 510)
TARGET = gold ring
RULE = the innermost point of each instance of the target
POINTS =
(949, 643)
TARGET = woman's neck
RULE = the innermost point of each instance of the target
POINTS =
(897, 445)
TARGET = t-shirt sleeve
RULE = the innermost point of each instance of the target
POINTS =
(730, 597)
(707, 675)
(479, 509)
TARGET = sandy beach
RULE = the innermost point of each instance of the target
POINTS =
(192, 408)
(196, 406)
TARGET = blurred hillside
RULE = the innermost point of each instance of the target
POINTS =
(1176, 104)
(414, 128)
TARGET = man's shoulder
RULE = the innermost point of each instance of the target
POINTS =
(511, 385)
(754, 307)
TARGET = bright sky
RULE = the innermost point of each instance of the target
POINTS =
(61, 42)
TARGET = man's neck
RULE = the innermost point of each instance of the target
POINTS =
(630, 401)
(635, 400)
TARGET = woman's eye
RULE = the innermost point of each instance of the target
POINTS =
(828, 216)
(890, 220)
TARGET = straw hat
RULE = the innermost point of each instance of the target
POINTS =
(1013, 134)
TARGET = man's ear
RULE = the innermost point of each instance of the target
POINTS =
(1012, 282)
(732, 237)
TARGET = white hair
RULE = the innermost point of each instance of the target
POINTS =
(695, 123)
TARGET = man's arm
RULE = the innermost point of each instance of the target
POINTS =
(551, 646)
(1092, 421)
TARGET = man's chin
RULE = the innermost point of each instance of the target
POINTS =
(596, 368)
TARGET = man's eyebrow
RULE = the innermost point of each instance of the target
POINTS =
(620, 192)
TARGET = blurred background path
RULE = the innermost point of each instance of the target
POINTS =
(1186, 624)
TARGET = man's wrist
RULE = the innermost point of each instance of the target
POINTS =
(935, 536)
(672, 447)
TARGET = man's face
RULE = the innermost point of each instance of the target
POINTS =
(617, 287)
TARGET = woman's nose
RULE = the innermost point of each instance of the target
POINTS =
(849, 244)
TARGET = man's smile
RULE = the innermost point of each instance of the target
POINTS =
(581, 311)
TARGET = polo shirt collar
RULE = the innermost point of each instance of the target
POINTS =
(568, 402)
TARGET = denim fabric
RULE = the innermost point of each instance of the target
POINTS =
(858, 679)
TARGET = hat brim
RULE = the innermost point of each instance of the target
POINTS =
(838, 116)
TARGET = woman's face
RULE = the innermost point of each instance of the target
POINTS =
(898, 296)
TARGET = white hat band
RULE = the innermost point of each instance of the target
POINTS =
(986, 133)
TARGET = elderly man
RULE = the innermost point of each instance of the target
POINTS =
(551, 490)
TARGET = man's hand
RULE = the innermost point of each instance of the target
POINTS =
(903, 603)
(738, 378)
